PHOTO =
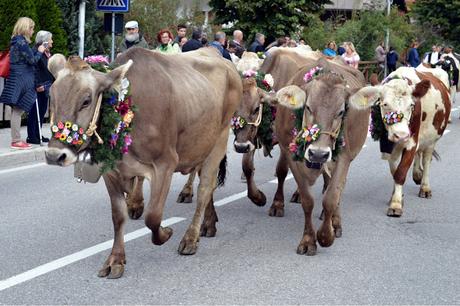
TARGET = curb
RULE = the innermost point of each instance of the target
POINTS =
(14, 159)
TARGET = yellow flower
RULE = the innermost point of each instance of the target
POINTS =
(68, 124)
(63, 137)
(128, 117)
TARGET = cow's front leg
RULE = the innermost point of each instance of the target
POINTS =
(254, 194)
(114, 265)
(161, 180)
(399, 176)
(332, 224)
(135, 198)
(282, 167)
(425, 189)
(208, 227)
(307, 244)
(208, 183)
(186, 195)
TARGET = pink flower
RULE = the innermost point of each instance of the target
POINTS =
(293, 147)
(97, 59)
(128, 140)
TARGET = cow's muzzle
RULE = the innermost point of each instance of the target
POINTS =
(60, 157)
(243, 147)
(318, 155)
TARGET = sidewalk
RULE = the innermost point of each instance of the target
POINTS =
(10, 158)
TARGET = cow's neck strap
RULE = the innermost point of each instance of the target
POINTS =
(93, 126)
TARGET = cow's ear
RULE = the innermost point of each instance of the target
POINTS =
(292, 97)
(114, 77)
(56, 63)
(267, 97)
(365, 97)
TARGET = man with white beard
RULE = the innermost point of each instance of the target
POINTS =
(132, 37)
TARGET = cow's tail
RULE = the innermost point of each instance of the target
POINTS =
(436, 155)
(222, 172)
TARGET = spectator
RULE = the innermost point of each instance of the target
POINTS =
(165, 39)
(219, 43)
(432, 57)
(330, 49)
(194, 43)
(413, 57)
(133, 38)
(181, 32)
(204, 39)
(380, 55)
(450, 64)
(302, 42)
(258, 44)
(43, 81)
(182, 42)
(279, 42)
(19, 91)
(238, 41)
(392, 60)
(351, 57)
(292, 43)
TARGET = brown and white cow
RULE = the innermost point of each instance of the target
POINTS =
(424, 102)
(334, 100)
(185, 104)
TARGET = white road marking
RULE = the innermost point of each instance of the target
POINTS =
(288, 177)
(454, 109)
(67, 260)
(446, 132)
(22, 168)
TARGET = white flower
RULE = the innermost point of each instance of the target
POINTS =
(269, 79)
(124, 83)
(121, 96)
(74, 127)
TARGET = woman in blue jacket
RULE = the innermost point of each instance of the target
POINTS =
(19, 91)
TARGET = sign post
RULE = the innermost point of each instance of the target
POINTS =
(113, 6)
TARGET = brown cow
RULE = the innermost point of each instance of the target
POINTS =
(334, 101)
(421, 103)
(185, 104)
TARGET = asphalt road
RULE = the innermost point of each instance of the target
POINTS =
(52, 232)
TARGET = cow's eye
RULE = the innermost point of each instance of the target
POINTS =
(340, 114)
(385, 104)
(256, 110)
(308, 108)
(86, 103)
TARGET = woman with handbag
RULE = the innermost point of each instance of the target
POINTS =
(19, 91)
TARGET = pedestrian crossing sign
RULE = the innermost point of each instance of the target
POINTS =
(118, 6)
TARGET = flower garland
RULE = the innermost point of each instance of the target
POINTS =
(69, 133)
(237, 123)
(261, 55)
(116, 115)
(312, 73)
(302, 140)
(391, 118)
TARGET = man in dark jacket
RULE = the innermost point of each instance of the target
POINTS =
(219, 44)
(238, 43)
(258, 44)
(194, 43)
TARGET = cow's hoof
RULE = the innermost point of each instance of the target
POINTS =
(187, 246)
(276, 210)
(417, 180)
(113, 267)
(325, 235)
(185, 197)
(394, 212)
(425, 193)
(135, 212)
(164, 233)
(208, 230)
(260, 199)
(307, 249)
(295, 198)
(338, 231)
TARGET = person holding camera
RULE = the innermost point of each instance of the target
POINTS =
(43, 81)
(19, 91)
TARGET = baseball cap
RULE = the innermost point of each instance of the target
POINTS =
(131, 24)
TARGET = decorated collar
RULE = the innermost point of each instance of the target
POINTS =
(391, 118)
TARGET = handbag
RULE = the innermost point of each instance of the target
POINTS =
(4, 64)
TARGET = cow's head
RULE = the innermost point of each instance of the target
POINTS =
(74, 96)
(248, 116)
(325, 98)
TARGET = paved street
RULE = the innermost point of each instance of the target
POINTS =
(53, 229)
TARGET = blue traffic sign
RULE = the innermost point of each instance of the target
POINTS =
(119, 6)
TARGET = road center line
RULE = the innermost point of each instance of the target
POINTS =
(22, 168)
(67, 260)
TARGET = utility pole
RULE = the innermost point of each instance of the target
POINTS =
(81, 28)
(387, 37)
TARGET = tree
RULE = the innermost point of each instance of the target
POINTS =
(10, 11)
(50, 19)
(273, 18)
(439, 17)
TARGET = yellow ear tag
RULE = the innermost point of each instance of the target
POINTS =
(363, 101)
(292, 101)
